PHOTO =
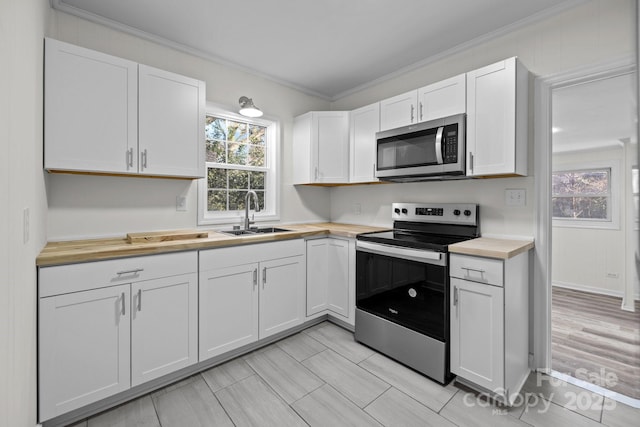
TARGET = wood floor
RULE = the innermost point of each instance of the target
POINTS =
(594, 339)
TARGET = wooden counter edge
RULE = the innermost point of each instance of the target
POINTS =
(489, 247)
(80, 251)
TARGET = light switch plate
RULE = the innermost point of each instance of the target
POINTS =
(515, 197)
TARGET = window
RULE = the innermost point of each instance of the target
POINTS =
(240, 156)
(584, 197)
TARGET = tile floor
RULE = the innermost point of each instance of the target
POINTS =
(322, 377)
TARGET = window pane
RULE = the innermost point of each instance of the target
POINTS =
(256, 155)
(261, 200)
(594, 182)
(217, 200)
(236, 200)
(256, 180)
(580, 207)
(216, 152)
(256, 134)
(238, 180)
(237, 131)
(217, 178)
(238, 153)
(215, 128)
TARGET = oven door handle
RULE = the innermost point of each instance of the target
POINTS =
(400, 252)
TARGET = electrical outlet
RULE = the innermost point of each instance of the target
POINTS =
(181, 203)
(515, 197)
(357, 209)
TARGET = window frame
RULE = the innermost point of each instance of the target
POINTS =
(613, 207)
(272, 179)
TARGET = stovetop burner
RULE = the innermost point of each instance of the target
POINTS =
(429, 226)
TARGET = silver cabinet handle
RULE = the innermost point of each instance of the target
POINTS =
(455, 295)
(134, 271)
(144, 158)
(255, 278)
(123, 306)
(140, 299)
(477, 270)
(471, 161)
(316, 174)
(129, 158)
(420, 111)
(412, 108)
(264, 276)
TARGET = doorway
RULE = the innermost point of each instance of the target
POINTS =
(587, 176)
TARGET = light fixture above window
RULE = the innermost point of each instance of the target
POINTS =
(247, 108)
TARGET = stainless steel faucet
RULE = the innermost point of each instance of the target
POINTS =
(256, 206)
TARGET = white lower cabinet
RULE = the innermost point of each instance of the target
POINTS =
(164, 326)
(84, 341)
(489, 323)
(329, 281)
(248, 293)
(109, 325)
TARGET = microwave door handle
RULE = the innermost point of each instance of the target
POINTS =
(439, 145)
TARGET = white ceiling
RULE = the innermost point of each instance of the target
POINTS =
(594, 114)
(327, 48)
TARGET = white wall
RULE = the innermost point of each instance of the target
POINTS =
(22, 27)
(582, 257)
(595, 32)
(83, 206)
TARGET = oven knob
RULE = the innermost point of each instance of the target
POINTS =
(397, 211)
(404, 211)
(467, 212)
(456, 212)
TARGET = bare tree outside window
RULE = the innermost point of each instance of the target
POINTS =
(582, 195)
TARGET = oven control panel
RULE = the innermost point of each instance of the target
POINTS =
(445, 213)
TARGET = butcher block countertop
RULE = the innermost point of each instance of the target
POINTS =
(491, 248)
(69, 252)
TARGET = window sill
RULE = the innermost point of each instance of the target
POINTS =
(236, 219)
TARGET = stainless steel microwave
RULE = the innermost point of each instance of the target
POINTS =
(424, 151)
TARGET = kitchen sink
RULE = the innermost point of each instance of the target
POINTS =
(253, 231)
(268, 230)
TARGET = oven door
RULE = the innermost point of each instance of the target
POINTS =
(406, 286)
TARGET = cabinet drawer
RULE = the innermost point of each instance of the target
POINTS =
(244, 254)
(477, 269)
(92, 275)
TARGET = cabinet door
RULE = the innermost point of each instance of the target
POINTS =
(363, 125)
(330, 130)
(398, 111)
(317, 262)
(491, 119)
(338, 276)
(228, 307)
(442, 99)
(171, 124)
(164, 326)
(84, 340)
(91, 104)
(477, 333)
(281, 295)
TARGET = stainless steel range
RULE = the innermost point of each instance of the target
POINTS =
(402, 284)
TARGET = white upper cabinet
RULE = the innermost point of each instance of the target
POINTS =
(497, 119)
(105, 114)
(171, 123)
(91, 109)
(399, 110)
(442, 99)
(363, 125)
(321, 148)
